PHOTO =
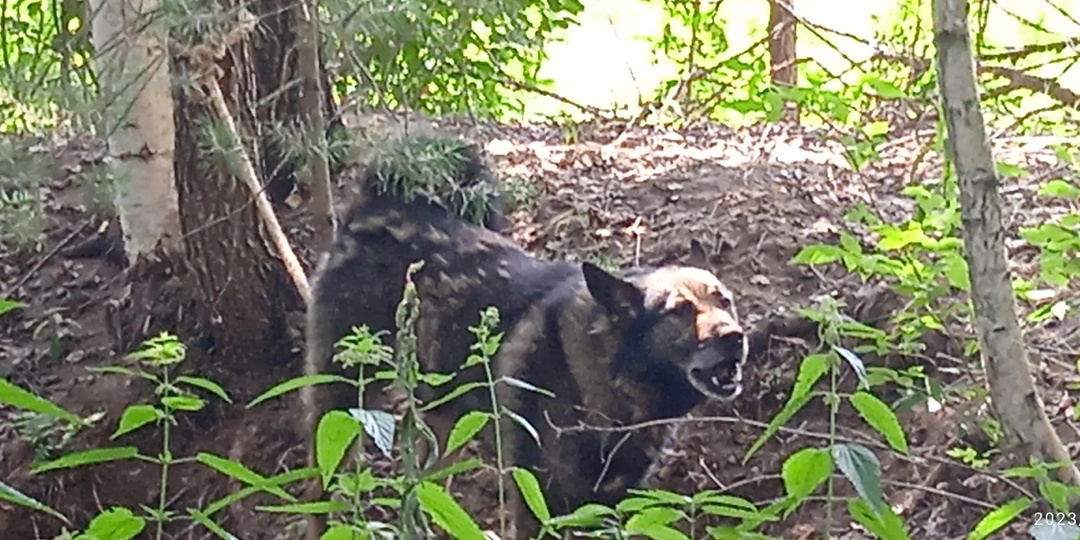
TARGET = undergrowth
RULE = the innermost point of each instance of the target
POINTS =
(415, 493)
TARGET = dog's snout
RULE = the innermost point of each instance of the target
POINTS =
(731, 345)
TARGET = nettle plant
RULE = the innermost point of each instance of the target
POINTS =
(806, 470)
(1058, 242)
(922, 258)
(154, 362)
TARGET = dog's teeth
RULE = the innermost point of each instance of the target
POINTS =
(715, 381)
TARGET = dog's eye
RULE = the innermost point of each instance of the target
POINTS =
(683, 309)
(724, 301)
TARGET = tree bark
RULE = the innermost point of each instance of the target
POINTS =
(1012, 387)
(782, 56)
(316, 171)
(133, 68)
(242, 291)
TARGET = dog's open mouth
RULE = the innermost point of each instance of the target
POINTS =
(721, 380)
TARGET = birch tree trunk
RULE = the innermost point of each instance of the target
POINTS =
(133, 67)
(1012, 387)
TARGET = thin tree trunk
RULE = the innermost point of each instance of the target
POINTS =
(782, 56)
(1012, 387)
(133, 68)
(311, 109)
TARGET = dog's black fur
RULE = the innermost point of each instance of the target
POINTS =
(653, 343)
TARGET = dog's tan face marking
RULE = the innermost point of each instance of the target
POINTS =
(699, 324)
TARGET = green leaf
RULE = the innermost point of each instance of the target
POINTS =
(183, 403)
(241, 472)
(205, 384)
(817, 254)
(877, 128)
(880, 417)
(637, 503)
(804, 471)
(334, 435)
(850, 244)
(203, 518)
(26, 400)
(465, 429)
(586, 515)
(1010, 170)
(454, 468)
(379, 425)
(446, 512)
(340, 532)
(897, 239)
(886, 525)
(87, 457)
(999, 517)
(297, 383)
(1059, 188)
(115, 524)
(7, 305)
(1055, 493)
(862, 469)
(529, 488)
(316, 507)
(435, 379)
(135, 417)
(451, 395)
(662, 495)
(810, 371)
(885, 89)
(14, 496)
(956, 271)
(656, 531)
(720, 510)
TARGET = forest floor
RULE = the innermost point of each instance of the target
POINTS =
(756, 195)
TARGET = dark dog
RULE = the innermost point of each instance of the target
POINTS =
(615, 350)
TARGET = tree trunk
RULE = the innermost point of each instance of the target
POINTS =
(242, 291)
(316, 171)
(782, 56)
(134, 73)
(1012, 387)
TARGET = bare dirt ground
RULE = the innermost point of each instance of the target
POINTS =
(756, 195)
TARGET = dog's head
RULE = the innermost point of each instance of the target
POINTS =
(675, 319)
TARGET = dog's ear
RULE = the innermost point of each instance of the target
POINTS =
(698, 257)
(622, 299)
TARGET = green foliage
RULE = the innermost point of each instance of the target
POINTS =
(806, 470)
(44, 64)
(1059, 250)
(922, 258)
(441, 56)
(436, 167)
(22, 168)
(153, 362)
